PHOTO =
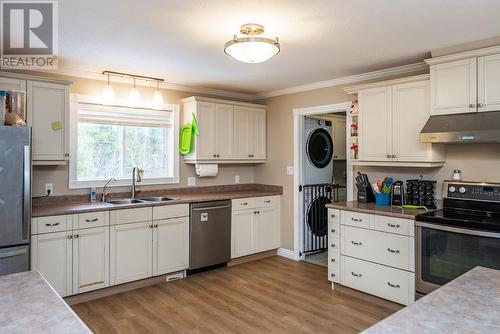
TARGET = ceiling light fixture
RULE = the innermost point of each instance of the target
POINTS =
(134, 96)
(157, 101)
(252, 49)
(108, 93)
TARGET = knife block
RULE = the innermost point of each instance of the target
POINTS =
(366, 195)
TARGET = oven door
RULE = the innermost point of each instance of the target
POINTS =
(444, 253)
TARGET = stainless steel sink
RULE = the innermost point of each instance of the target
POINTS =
(157, 199)
(125, 201)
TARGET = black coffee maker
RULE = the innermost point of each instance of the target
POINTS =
(397, 193)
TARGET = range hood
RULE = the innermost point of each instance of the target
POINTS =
(477, 127)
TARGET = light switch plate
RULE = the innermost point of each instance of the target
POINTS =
(191, 181)
(237, 179)
(289, 170)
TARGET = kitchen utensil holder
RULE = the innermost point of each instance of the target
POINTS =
(366, 195)
(383, 199)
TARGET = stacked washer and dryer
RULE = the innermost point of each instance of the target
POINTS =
(318, 174)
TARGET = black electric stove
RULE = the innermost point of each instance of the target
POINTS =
(462, 235)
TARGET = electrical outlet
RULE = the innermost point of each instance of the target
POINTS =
(289, 170)
(49, 189)
(191, 181)
(237, 179)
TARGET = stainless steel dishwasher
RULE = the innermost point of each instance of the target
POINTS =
(209, 235)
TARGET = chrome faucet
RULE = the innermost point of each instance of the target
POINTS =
(136, 177)
(104, 193)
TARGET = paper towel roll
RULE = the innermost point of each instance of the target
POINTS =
(204, 170)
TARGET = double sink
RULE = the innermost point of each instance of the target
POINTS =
(141, 200)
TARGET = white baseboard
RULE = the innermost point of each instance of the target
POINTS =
(289, 254)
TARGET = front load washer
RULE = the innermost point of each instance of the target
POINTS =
(318, 152)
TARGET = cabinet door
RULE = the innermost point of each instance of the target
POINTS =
(489, 83)
(47, 106)
(224, 131)
(243, 233)
(375, 126)
(453, 87)
(90, 259)
(12, 84)
(130, 253)
(258, 134)
(339, 139)
(51, 255)
(410, 110)
(205, 142)
(170, 245)
(242, 132)
(268, 229)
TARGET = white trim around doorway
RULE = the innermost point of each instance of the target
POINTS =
(298, 126)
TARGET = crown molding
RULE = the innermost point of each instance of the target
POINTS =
(347, 80)
(164, 85)
(464, 55)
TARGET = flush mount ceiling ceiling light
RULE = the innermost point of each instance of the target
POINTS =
(252, 49)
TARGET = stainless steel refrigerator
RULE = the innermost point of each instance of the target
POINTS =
(15, 199)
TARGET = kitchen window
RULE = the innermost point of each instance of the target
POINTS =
(109, 141)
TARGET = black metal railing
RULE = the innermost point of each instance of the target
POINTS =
(315, 216)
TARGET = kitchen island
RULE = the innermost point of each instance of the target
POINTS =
(28, 304)
(468, 304)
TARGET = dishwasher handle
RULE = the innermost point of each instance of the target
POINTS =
(212, 208)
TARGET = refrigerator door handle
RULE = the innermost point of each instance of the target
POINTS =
(13, 253)
(26, 192)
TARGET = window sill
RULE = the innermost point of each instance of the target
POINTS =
(122, 183)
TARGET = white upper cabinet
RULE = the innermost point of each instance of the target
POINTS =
(453, 87)
(391, 116)
(12, 84)
(375, 123)
(489, 83)
(465, 82)
(339, 139)
(228, 131)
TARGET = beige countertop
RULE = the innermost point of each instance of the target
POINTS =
(371, 208)
(468, 304)
(64, 207)
(29, 305)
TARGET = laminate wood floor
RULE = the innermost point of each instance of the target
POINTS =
(272, 295)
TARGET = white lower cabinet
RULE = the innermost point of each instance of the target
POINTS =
(255, 225)
(90, 259)
(51, 255)
(372, 253)
(170, 245)
(131, 253)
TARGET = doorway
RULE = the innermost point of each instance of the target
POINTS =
(321, 176)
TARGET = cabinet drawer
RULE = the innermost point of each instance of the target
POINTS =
(130, 216)
(170, 211)
(355, 219)
(333, 231)
(334, 245)
(333, 216)
(93, 219)
(334, 273)
(333, 258)
(51, 224)
(243, 204)
(380, 247)
(389, 283)
(266, 201)
(392, 225)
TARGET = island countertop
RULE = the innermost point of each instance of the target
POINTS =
(29, 305)
(372, 208)
(468, 304)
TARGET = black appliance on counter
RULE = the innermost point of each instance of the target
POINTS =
(397, 197)
(421, 192)
(461, 236)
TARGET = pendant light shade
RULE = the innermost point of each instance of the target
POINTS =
(252, 49)
(108, 93)
(134, 96)
(157, 101)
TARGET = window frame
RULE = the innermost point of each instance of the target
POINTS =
(74, 183)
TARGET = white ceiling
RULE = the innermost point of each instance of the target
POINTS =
(182, 41)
